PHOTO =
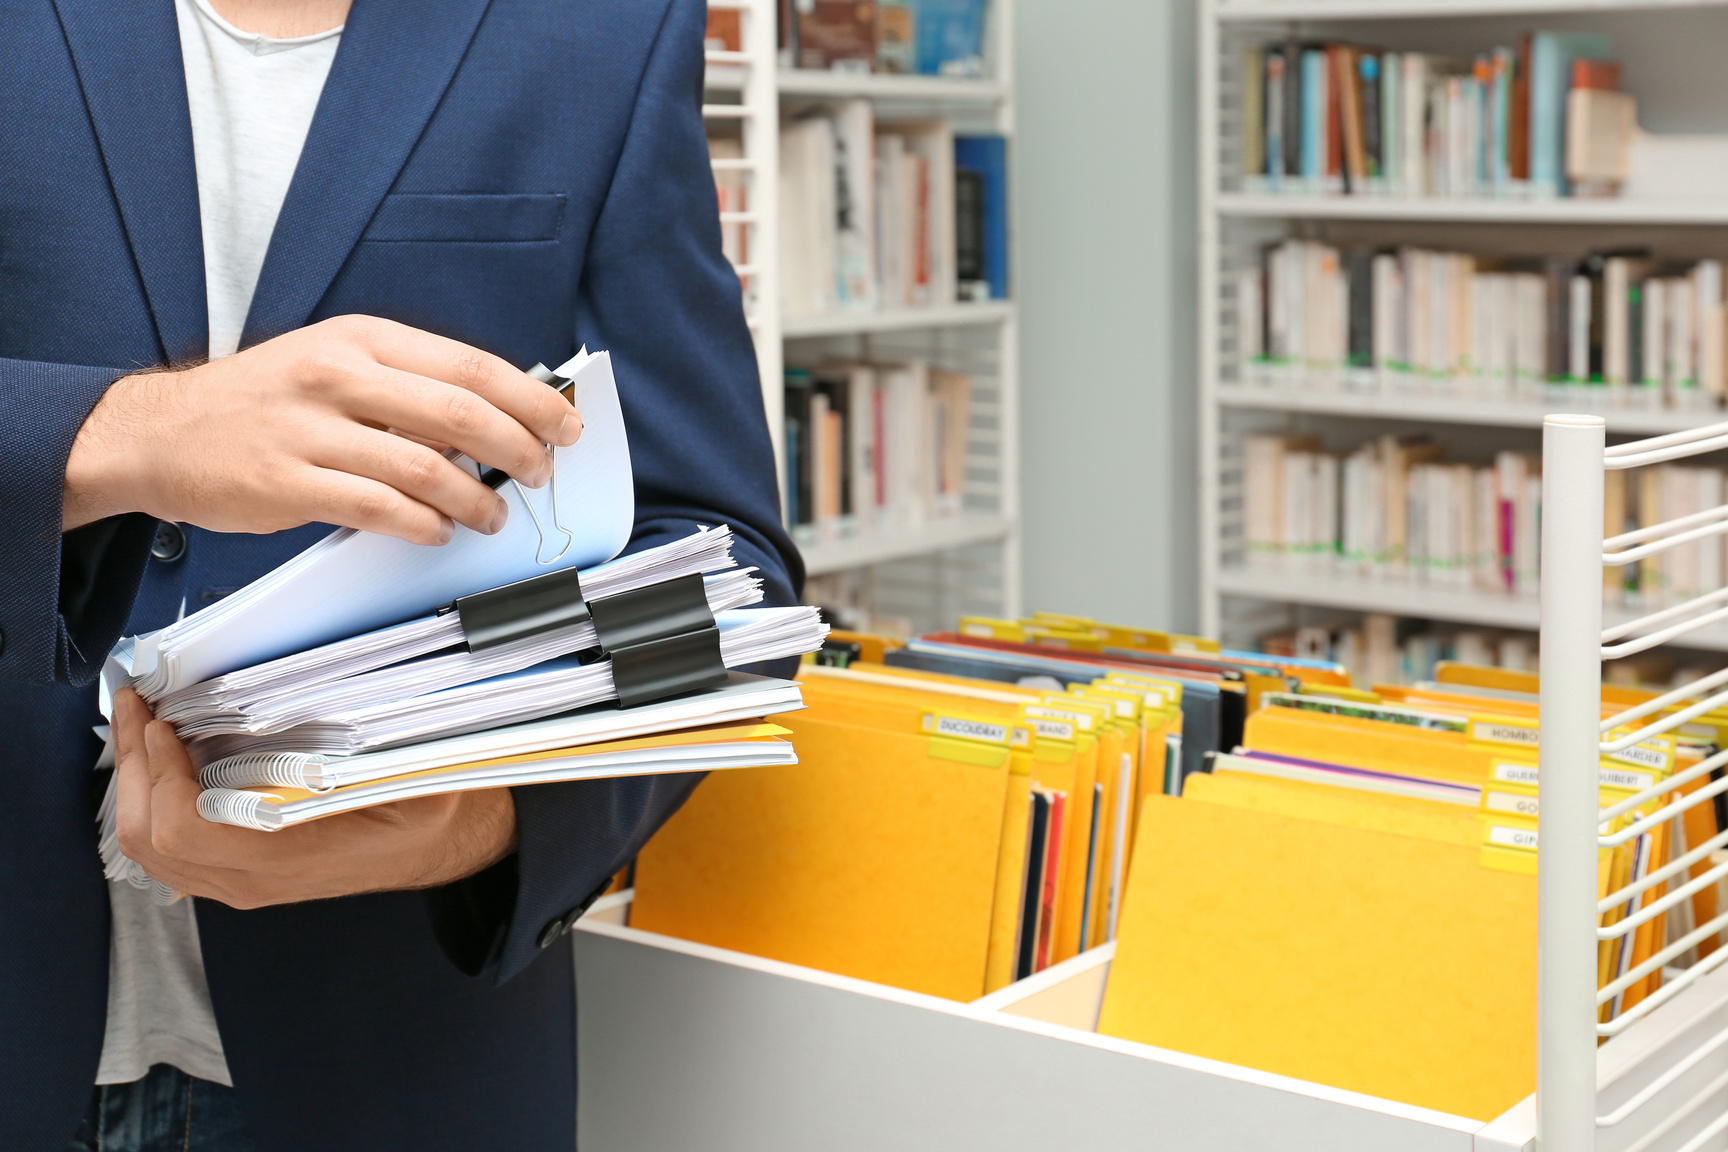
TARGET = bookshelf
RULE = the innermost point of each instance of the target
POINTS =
(924, 571)
(1653, 39)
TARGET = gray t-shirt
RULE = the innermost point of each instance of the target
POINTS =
(252, 100)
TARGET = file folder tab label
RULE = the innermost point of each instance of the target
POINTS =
(1509, 848)
(1516, 803)
(1499, 731)
(1079, 721)
(1507, 773)
(960, 728)
(1050, 729)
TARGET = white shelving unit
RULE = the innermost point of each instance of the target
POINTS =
(1677, 1094)
(1234, 222)
(748, 88)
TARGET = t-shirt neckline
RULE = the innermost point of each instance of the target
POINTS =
(256, 42)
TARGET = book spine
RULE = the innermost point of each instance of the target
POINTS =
(1294, 87)
(1392, 121)
(1518, 115)
(1368, 88)
(1253, 126)
(1313, 118)
(1334, 121)
(1349, 103)
(1275, 94)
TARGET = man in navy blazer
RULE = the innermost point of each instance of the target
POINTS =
(518, 176)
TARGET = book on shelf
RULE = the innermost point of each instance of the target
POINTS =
(871, 214)
(1620, 327)
(931, 37)
(1383, 649)
(1394, 509)
(835, 35)
(725, 30)
(733, 189)
(874, 447)
(1325, 118)
(981, 216)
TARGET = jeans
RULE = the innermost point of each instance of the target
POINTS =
(166, 1111)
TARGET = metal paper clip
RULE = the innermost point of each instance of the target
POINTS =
(546, 376)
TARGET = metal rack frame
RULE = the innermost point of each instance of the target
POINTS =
(1575, 458)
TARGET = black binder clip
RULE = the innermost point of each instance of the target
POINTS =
(520, 610)
(661, 639)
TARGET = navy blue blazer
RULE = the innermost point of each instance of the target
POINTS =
(523, 175)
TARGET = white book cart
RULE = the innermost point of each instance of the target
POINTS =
(686, 1046)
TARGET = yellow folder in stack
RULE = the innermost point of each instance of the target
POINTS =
(875, 857)
(1334, 936)
(896, 852)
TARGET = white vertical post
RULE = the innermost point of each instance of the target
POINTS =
(1571, 666)
(761, 98)
(1207, 464)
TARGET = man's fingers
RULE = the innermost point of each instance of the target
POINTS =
(532, 404)
(132, 777)
(435, 410)
(417, 472)
(337, 497)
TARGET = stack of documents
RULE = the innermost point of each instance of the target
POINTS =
(382, 711)
(367, 670)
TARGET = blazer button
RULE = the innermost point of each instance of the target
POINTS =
(170, 542)
(554, 929)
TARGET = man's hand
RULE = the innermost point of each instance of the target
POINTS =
(335, 422)
(419, 843)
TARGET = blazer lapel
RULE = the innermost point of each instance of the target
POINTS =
(127, 55)
(395, 61)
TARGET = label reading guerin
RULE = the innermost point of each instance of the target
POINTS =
(1515, 773)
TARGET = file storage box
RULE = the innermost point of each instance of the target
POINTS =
(683, 1046)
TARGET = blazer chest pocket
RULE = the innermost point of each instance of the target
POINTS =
(468, 217)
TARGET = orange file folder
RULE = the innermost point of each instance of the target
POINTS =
(875, 857)
(1359, 945)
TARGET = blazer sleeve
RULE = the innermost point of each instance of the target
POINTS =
(658, 295)
(64, 597)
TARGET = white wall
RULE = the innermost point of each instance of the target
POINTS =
(1105, 232)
